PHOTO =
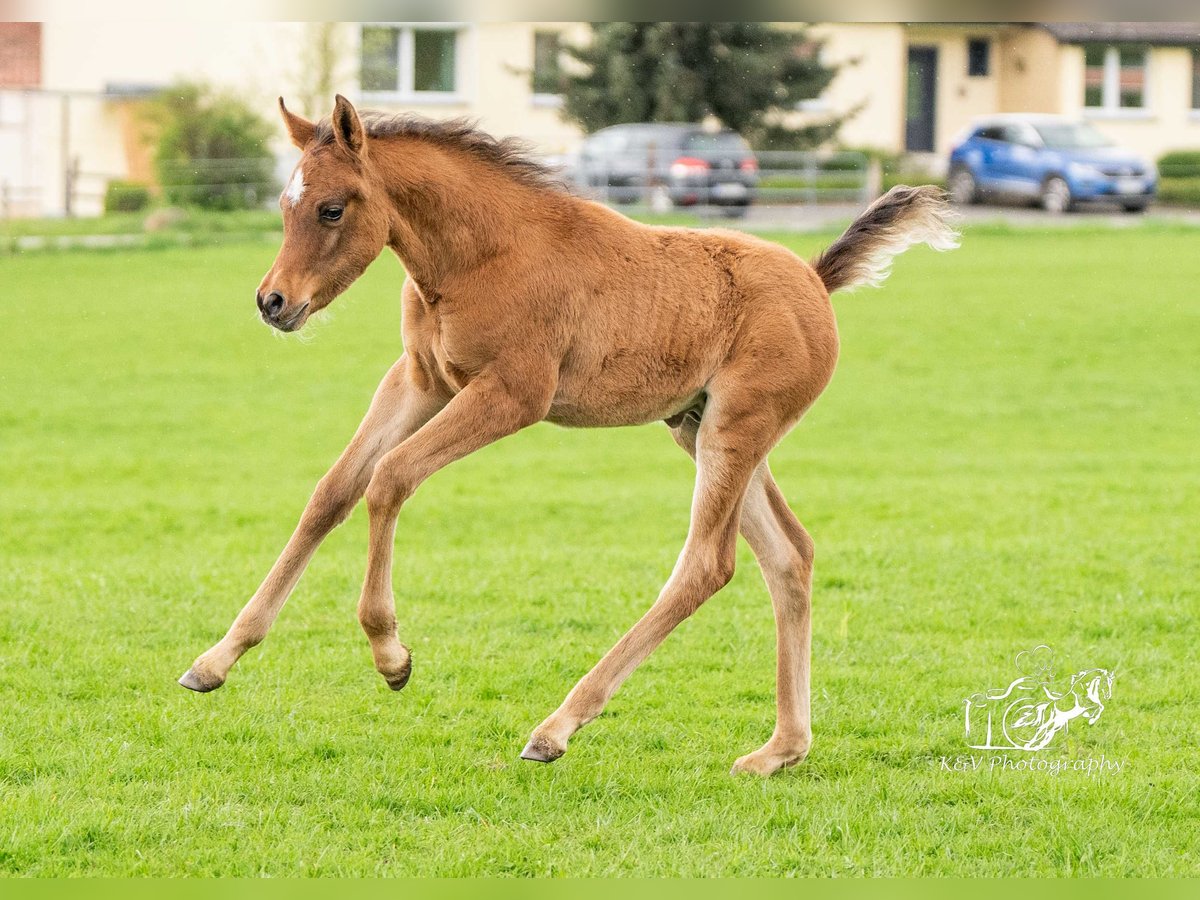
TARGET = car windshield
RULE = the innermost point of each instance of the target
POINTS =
(720, 142)
(1071, 136)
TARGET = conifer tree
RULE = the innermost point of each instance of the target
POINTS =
(746, 74)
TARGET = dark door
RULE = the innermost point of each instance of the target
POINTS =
(921, 96)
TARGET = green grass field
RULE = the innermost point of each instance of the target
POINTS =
(1006, 457)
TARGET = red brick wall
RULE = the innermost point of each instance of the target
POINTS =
(20, 54)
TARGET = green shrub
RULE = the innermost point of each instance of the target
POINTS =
(1180, 164)
(1179, 191)
(212, 149)
(845, 163)
(126, 196)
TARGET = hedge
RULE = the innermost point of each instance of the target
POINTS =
(125, 196)
(1179, 191)
(1179, 164)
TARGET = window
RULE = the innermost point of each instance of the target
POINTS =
(979, 57)
(1093, 75)
(1196, 78)
(548, 76)
(380, 58)
(1114, 77)
(433, 61)
(1071, 136)
(410, 60)
(715, 142)
(1132, 77)
(1018, 133)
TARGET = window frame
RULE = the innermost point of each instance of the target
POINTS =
(1110, 89)
(405, 91)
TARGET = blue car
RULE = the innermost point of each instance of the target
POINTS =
(1054, 161)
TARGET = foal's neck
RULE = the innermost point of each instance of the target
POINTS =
(451, 213)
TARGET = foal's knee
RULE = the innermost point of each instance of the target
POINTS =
(790, 562)
(388, 491)
(331, 504)
(714, 573)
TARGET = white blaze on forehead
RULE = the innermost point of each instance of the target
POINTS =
(295, 190)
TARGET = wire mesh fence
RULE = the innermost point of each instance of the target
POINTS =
(60, 152)
(723, 186)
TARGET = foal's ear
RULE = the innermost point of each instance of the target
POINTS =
(347, 127)
(300, 130)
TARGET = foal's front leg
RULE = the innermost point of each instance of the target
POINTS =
(399, 408)
(482, 413)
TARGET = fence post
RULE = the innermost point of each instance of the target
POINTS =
(70, 183)
(873, 183)
(651, 178)
(65, 148)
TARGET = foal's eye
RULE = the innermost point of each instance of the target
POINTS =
(331, 213)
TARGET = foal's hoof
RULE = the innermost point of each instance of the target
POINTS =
(767, 761)
(396, 681)
(201, 684)
(541, 750)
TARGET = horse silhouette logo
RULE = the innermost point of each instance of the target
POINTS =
(1030, 712)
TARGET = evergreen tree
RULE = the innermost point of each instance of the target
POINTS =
(746, 74)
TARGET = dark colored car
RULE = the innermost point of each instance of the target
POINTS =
(684, 165)
(1055, 161)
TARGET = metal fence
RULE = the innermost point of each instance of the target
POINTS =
(60, 150)
(777, 178)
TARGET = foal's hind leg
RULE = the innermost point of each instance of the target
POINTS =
(785, 554)
(735, 435)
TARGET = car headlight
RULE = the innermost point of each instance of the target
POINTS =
(1084, 171)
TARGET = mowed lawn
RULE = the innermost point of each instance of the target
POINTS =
(1007, 457)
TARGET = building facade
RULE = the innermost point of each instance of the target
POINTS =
(912, 88)
(69, 92)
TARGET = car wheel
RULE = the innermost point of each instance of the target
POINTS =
(1056, 195)
(1134, 207)
(735, 212)
(963, 190)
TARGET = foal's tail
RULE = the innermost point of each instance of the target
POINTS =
(900, 218)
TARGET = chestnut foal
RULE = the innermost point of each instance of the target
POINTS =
(523, 303)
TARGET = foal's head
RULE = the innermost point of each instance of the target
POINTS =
(335, 219)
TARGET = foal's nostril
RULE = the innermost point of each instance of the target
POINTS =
(274, 304)
(258, 299)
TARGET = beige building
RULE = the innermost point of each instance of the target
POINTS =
(68, 90)
(912, 88)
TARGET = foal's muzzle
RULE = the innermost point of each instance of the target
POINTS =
(277, 313)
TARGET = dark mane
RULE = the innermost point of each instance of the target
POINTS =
(511, 155)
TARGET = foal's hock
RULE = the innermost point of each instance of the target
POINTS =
(524, 303)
